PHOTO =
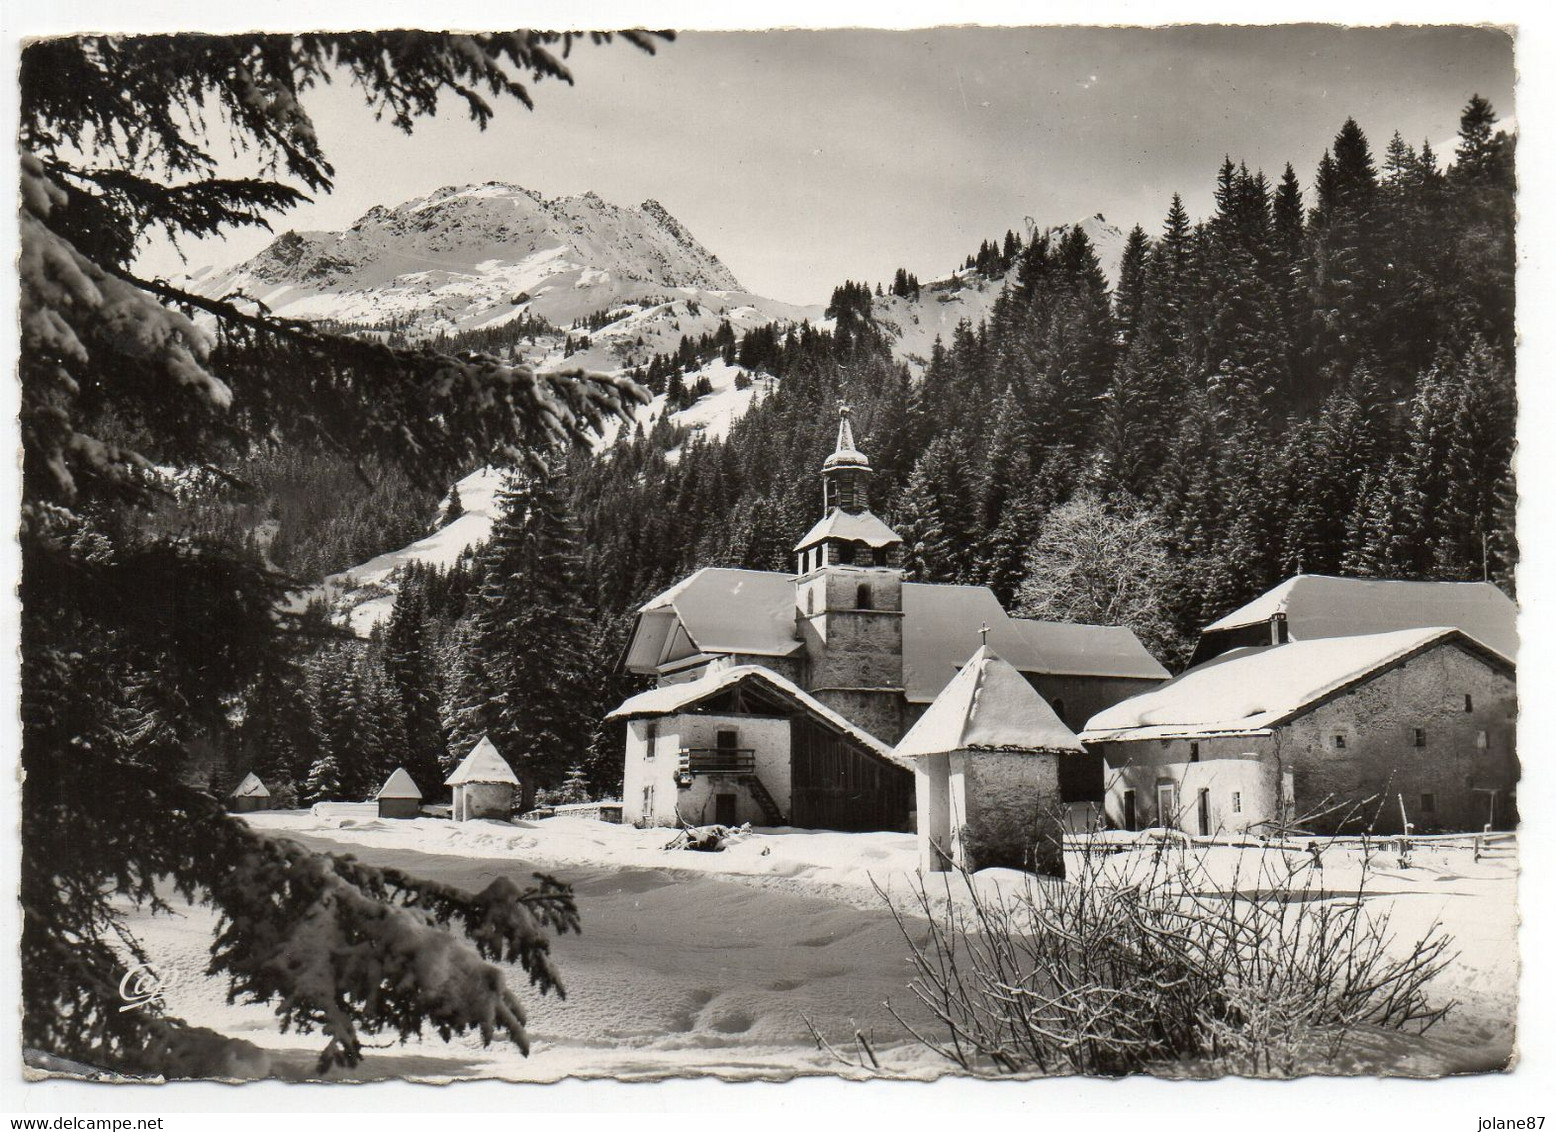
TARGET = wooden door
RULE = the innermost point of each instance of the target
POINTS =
(724, 807)
(1166, 804)
(1129, 809)
(1204, 813)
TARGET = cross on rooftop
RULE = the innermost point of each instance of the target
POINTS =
(984, 632)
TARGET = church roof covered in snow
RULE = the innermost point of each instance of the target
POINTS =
(718, 610)
(861, 527)
(400, 785)
(251, 787)
(1317, 605)
(677, 697)
(1248, 691)
(482, 764)
(989, 705)
(1065, 649)
(752, 612)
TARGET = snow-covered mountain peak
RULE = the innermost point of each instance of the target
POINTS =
(466, 256)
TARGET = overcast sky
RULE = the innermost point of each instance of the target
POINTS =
(804, 158)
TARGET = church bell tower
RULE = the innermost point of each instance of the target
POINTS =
(848, 593)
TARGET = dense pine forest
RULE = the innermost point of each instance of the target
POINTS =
(1317, 377)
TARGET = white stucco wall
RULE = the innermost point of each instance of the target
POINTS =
(640, 771)
(1243, 785)
(932, 791)
(768, 739)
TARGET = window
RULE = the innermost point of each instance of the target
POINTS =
(1237, 801)
(1420, 736)
(650, 738)
(648, 803)
(1193, 752)
(1482, 741)
(810, 601)
(1428, 803)
(1469, 702)
(862, 599)
(845, 553)
(1339, 742)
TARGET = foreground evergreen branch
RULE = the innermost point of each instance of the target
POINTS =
(140, 642)
(337, 946)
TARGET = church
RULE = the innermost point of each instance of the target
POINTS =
(779, 697)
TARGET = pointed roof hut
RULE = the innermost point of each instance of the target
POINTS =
(986, 772)
(988, 706)
(399, 797)
(482, 765)
(484, 785)
(251, 787)
(249, 795)
(400, 785)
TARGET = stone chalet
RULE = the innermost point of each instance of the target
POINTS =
(844, 633)
(1345, 734)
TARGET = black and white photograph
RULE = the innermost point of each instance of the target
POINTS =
(616, 553)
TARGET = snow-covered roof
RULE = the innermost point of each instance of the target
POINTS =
(724, 611)
(940, 624)
(1248, 691)
(672, 698)
(862, 527)
(752, 612)
(1064, 649)
(400, 785)
(847, 452)
(988, 706)
(251, 787)
(482, 764)
(1317, 605)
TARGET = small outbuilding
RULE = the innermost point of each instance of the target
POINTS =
(484, 785)
(399, 797)
(986, 761)
(251, 794)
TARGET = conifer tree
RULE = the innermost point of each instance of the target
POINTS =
(411, 666)
(530, 634)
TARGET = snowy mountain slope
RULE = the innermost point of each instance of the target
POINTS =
(913, 323)
(363, 596)
(479, 256)
(471, 256)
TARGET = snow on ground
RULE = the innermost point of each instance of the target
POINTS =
(715, 962)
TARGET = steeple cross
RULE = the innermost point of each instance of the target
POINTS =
(984, 633)
(844, 409)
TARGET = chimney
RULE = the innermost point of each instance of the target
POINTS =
(1279, 634)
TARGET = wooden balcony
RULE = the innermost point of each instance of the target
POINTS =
(718, 760)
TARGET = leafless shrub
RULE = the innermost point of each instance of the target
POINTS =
(1116, 972)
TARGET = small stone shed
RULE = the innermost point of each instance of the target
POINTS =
(986, 761)
(251, 794)
(399, 797)
(484, 785)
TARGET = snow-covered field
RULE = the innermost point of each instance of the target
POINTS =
(714, 963)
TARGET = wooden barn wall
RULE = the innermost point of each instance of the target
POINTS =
(837, 785)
